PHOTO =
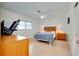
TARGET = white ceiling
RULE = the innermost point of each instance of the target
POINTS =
(51, 9)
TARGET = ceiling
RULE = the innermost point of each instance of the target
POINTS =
(29, 9)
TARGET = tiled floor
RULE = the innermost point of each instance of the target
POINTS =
(58, 48)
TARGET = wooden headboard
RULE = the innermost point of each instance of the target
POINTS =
(49, 29)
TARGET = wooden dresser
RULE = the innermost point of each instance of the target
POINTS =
(61, 36)
(14, 46)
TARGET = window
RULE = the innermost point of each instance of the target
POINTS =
(21, 25)
(25, 25)
(28, 25)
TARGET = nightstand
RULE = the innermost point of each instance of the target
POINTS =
(61, 36)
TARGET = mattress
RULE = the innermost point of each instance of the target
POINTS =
(45, 36)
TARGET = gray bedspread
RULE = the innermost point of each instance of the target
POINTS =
(45, 36)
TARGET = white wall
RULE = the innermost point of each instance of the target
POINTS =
(71, 29)
(76, 30)
(10, 16)
(59, 22)
(0, 21)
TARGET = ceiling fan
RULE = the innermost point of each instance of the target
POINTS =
(42, 14)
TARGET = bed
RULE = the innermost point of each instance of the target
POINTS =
(48, 35)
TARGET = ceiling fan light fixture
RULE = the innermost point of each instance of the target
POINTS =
(42, 17)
